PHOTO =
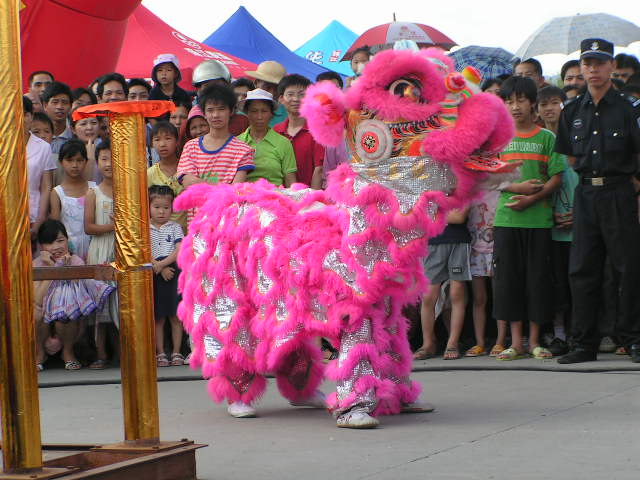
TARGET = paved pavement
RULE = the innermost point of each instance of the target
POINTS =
(489, 424)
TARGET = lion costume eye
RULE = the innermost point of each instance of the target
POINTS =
(407, 88)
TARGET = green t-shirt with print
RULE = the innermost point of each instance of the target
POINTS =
(536, 150)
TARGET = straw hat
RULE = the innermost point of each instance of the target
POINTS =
(269, 71)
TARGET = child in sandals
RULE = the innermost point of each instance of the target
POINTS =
(166, 236)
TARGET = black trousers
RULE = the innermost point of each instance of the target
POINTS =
(605, 223)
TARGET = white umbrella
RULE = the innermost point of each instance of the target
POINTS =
(564, 34)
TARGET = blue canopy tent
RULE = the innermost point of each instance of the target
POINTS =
(243, 36)
(328, 47)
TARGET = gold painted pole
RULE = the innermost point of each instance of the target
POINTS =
(135, 288)
(21, 447)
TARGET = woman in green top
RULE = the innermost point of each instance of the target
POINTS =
(274, 158)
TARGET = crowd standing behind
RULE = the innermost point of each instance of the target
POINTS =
(505, 246)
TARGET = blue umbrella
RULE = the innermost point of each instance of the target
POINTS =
(491, 62)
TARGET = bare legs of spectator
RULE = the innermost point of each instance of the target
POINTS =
(479, 292)
(428, 320)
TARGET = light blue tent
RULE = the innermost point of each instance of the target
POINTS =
(328, 46)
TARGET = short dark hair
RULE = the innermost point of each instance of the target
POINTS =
(531, 61)
(49, 230)
(549, 92)
(567, 66)
(164, 127)
(292, 80)
(624, 60)
(217, 93)
(363, 49)
(519, 86)
(139, 82)
(78, 92)
(183, 103)
(27, 105)
(489, 82)
(330, 76)
(161, 191)
(112, 77)
(56, 88)
(104, 145)
(71, 148)
(40, 72)
(44, 118)
(243, 82)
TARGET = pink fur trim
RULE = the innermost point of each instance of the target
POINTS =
(323, 107)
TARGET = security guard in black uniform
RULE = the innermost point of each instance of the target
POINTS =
(599, 132)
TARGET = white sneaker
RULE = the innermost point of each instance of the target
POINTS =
(317, 400)
(417, 407)
(357, 418)
(241, 410)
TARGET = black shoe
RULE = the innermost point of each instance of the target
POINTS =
(634, 351)
(578, 356)
(558, 347)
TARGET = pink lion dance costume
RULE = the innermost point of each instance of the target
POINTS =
(267, 270)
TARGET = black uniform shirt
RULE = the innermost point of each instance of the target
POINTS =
(603, 138)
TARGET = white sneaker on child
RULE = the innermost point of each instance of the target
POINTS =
(241, 410)
(317, 400)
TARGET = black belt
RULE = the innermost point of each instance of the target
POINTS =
(602, 181)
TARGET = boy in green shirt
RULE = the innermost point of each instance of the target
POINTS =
(522, 225)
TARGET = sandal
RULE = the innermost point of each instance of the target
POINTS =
(541, 353)
(511, 354)
(98, 365)
(72, 365)
(621, 351)
(497, 350)
(476, 351)
(162, 360)
(451, 353)
(177, 360)
(423, 354)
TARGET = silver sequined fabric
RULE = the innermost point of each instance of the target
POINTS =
(403, 238)
(225, 309)
(350, 339)
(370, 253)
(408, 177)
(212, 347)
(264, 282)
(246, 340)
(281, 310)
(265, 218)
(242, 382)
(432, 210)
(287, 337)
(199, 310)
(333, 261)
(357, 220)
(345, 387)
(207, 285)
(358, 184)
(296, 195)
(268, 243)
(199, 245)
(318, 310)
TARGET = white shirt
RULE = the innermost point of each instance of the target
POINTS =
(39, 160)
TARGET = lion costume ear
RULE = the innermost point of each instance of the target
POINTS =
(323, 108)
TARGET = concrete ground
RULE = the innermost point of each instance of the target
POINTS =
(524, 423)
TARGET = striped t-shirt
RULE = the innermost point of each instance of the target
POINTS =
(164, 239)
(233, 156)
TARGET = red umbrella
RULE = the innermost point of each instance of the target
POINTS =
(147, 36)
(384, 36)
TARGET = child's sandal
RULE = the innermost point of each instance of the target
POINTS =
(162, 360)
(177, 360)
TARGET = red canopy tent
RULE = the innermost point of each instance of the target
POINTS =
(147, 36)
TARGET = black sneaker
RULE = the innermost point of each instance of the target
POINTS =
(578, 356)
(558, 347)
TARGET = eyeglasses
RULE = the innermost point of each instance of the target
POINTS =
(292, 95)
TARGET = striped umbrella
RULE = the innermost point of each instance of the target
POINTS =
(384, 36)
(491, 62)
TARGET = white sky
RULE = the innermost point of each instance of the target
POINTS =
(487, 23)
